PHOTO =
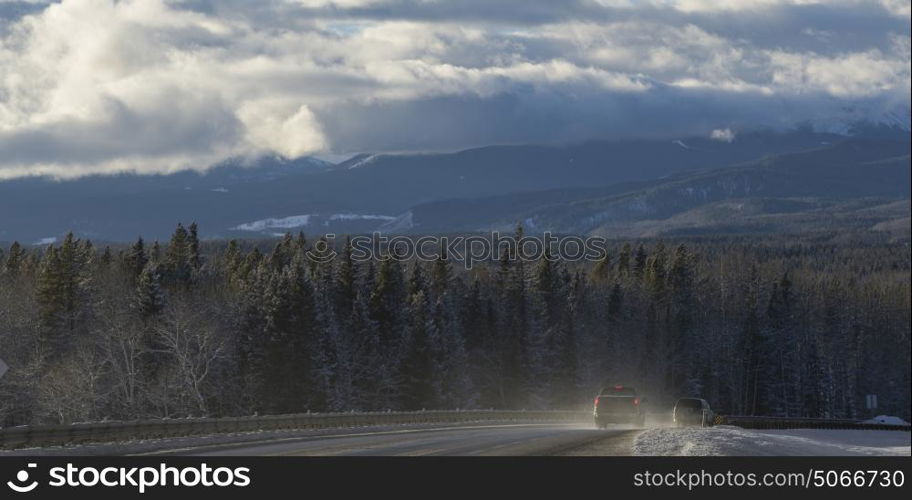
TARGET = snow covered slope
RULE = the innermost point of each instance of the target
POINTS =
(735, 441)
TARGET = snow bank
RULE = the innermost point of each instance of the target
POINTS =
(735, 441)
(886, 420)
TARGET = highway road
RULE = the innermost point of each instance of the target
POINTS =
(474, 440)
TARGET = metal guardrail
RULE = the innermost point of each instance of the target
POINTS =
(750, 422)
(98, 432)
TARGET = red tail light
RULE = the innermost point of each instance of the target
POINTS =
(596, 400)
(636, 401)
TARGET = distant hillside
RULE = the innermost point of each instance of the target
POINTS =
(812, 183)
(574, 188)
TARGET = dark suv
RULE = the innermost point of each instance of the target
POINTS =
(618, 405)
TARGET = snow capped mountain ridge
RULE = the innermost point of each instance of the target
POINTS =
(864, 122)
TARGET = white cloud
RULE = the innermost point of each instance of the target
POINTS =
(898, 8)
(269, 127)
(345, 4)
(158, 85)
(857, 74)
(724, 135)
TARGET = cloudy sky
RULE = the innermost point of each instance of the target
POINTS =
(158, 85)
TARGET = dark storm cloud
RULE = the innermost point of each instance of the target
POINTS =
(453, 123)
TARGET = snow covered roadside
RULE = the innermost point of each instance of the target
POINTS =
(735, 441)
(886, 420)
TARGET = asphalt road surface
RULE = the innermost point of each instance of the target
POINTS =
(478, 440)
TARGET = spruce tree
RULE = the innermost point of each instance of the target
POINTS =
(418, 367)
(452, 384)
(193, 248)
(14, 259)
(370, 376)
(782, 369)
(417, 282)
(387, 312)
(386, 300)
(177, 257)
(615, 302)
(135, 260)
(656, 272)
(347, 280)
(441, 274)
(639, 261)
(64, 292)
(684, 369)
(623, 260)
(150, 298)
(106, 257)
(155, 253)
(602, 269)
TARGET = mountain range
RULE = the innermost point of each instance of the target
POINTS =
(758, 182)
